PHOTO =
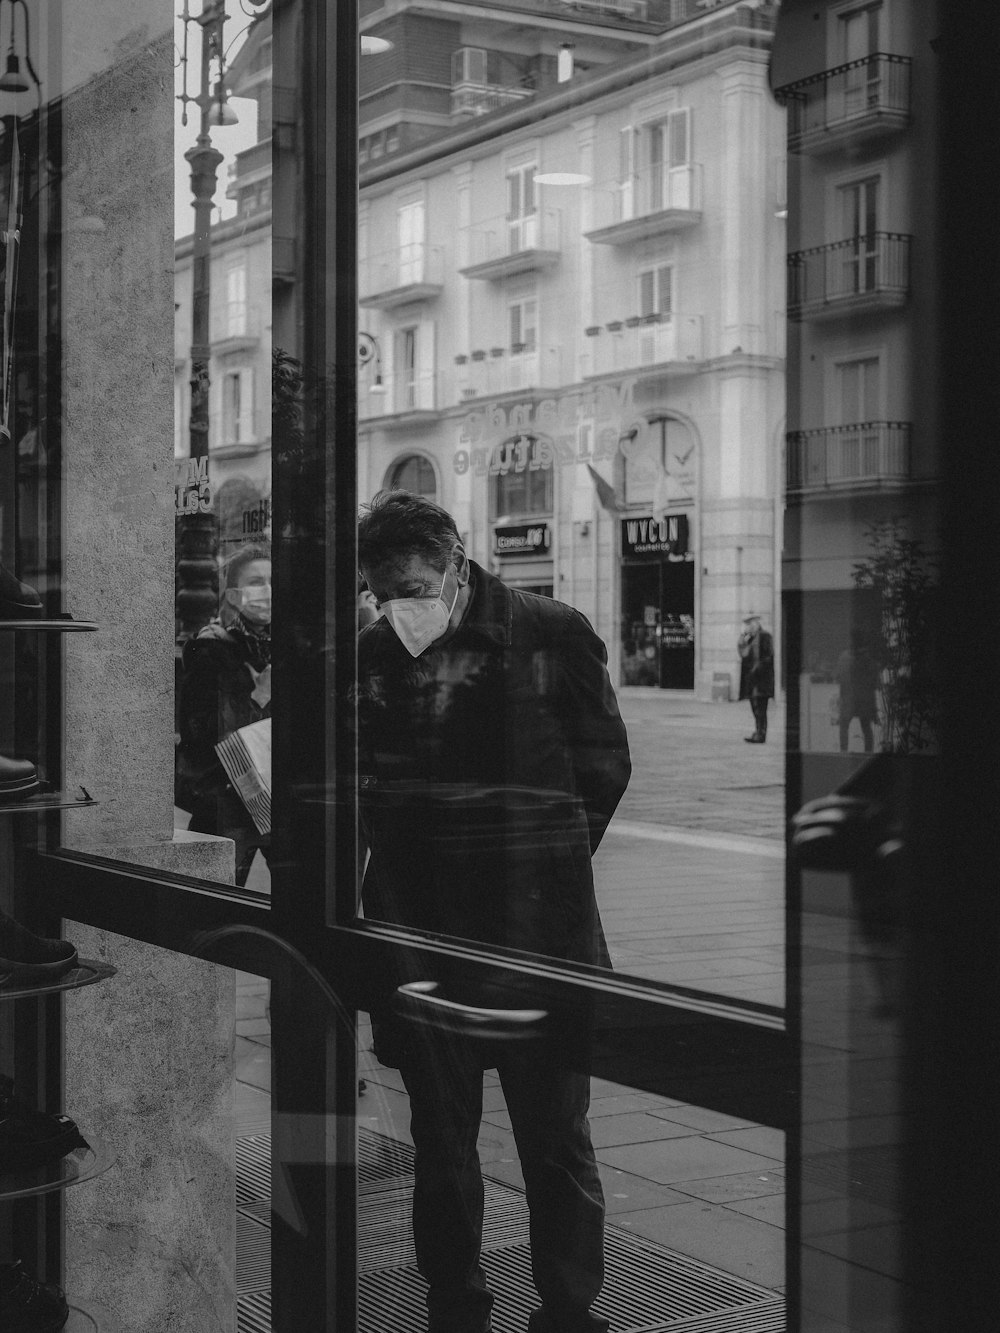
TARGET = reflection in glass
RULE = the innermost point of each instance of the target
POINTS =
(222, 374)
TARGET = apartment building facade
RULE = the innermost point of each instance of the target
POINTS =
(863, 437)
(571, 305)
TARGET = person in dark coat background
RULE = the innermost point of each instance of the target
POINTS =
(756, 648)
(226, 684)
(491, 757)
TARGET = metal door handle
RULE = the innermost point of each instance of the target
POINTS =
(419, 1001)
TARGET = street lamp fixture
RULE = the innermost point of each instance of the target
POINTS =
(369, 353)
(13, 80)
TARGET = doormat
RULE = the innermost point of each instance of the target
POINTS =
(647, 1288)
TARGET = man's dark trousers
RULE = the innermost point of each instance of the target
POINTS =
(759, 702)
(443, 1075)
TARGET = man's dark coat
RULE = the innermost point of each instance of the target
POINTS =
(489, 769)
(757, 668)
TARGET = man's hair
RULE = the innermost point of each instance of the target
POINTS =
(399, 524)
(239, 560)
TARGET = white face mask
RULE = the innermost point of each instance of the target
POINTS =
(253, 602)
(419, 621)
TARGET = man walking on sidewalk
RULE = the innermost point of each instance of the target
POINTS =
(491, 757)
(756, 648)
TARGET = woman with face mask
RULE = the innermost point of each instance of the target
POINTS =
(226, 685)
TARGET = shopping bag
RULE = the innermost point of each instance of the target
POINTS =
(246, 756)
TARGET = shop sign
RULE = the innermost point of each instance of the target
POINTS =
(653, 537)
(497, 438)
(192, 487)
(527, 539)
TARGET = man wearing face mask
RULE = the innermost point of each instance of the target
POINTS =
(491, 758)
(226, 685)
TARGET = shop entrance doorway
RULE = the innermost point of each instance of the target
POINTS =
(657, 637)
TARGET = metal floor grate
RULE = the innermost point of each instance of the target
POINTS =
(253, 1313)
(648, 1289)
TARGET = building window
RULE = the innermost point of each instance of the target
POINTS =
(468, 65)
(237, 407)
(656, 291)
(654, 162)
(410, 231)
(237, 313)
(859, 227)
(525, 492)
(522, 325)
(413, 473)
(859, 390)
(522, 214)
(412, 367)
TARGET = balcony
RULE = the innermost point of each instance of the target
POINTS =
(504, 246)
(484, 374)
(237, 328)
(619, 9)
(867, 455)
(234, 434)
(481, 99)
(864, 273)
(654, 341)
(653, 202)
(403, 398)
(851, 104)
(407, 273)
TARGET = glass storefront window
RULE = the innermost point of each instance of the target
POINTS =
(567, 930)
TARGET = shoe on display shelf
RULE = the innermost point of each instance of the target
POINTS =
(25, 957)
(29, 1306)
(18, 601)
(18, 779)
(30, 1139)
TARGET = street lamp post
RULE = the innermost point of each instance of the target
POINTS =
(197, 570)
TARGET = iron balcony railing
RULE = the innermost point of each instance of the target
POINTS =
(479, 99)
(874, 266)
(871, 90)
(863, 453)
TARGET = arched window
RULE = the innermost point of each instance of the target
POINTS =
(413, 473)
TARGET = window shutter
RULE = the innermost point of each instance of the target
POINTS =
(665, 283)
(679, 137)
(626, 172)
(647, 299)
(426, 366)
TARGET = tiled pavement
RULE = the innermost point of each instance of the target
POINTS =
(690, 880)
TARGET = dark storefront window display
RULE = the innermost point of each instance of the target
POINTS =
(570, 236)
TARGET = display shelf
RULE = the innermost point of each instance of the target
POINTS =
(74, 1169)
(87, 972)
(59, 624)
(48, 800)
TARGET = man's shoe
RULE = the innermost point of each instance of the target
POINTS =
(30, 1139)
(18, 779)
(18, 601)
(25, 957)
(27, 1306)
(754, 740)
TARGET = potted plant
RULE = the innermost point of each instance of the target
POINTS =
(461, 359)
(592, 330)
(614, 326)
(517, 348)
(496, 351)
(632, 321)
(479, 355)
